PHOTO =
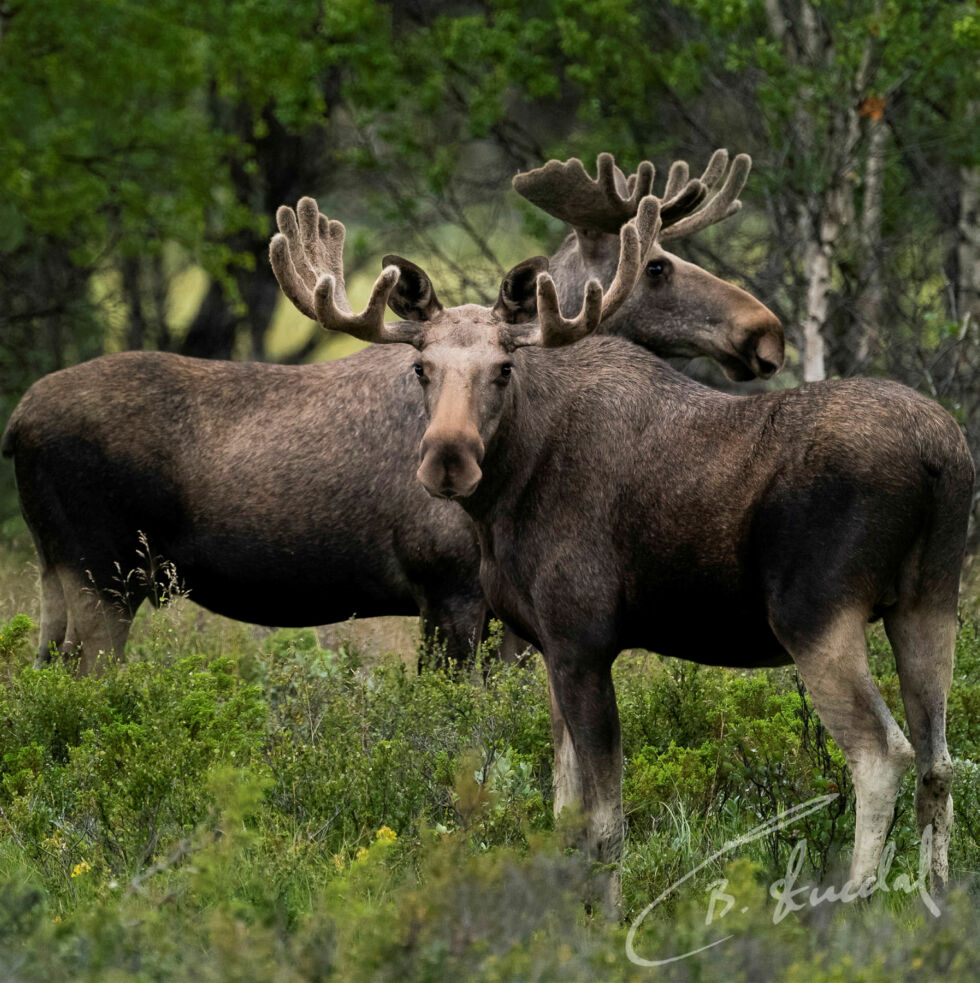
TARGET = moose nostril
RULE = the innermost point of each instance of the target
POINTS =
(450, 465)
(766, 368)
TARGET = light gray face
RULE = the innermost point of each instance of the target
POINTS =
(464, 368)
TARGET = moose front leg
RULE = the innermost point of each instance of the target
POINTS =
(567, 779)
(589, 756)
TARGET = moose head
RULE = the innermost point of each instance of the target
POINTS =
(465, 364)
(676, 308)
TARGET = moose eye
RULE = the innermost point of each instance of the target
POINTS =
(656, 268)
(505, 370)
(419, 371)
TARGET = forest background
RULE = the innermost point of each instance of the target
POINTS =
(231, 805)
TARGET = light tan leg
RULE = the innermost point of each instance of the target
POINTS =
(97, 626)
(834, 667)
(54, 616)
(567, 781)
(924, 641)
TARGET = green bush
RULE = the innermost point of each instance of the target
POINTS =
(100, 772)
(221, 808)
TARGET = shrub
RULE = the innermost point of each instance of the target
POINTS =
(225, 809)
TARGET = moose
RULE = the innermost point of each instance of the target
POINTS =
(620, 504)
(284, 495)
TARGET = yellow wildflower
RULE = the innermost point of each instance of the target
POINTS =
(386, 835)
(79, 869)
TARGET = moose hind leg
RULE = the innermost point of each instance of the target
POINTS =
(923, 641)
(54, 616)
(834, 667)
(452, 628)
(98, 624)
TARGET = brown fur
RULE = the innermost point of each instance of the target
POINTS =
(622, 505)
(282, 495)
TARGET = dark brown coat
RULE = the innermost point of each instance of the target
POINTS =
(285, 496)
(619, 504)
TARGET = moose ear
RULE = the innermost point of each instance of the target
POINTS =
(517, 302)
(413, 297)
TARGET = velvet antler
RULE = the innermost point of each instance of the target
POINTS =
(552, 328)
(307, 256)
(564, 189)
(721, 197)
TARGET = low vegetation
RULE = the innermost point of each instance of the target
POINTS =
(229, 807)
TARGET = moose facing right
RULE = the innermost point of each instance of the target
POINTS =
(620, 504)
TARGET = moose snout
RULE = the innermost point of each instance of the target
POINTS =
(763, 349)
(450, 464)
(770, 350)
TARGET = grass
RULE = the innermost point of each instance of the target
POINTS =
(236, 805)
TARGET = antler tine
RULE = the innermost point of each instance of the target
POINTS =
(716, 168)
(720, 205)
(369, 324)
(553, 329)
(307, 257)
(677, 178)
(640, 184)
(635, 241)
(291, 282)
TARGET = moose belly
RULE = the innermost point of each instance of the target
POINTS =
(717, 628)
(291, 585)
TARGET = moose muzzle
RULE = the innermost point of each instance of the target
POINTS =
(450, 464)
(761, 351)
(769, 346)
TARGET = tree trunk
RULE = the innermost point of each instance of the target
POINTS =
(967, 312)
(136, 332)
(824, 212)
(212, 332)
(816, 263)
(869, 304)
(968, 248)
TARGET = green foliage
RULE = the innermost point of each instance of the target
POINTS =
(350, 751)
(220, 808)
(14, 639)
(83, 777)
(109, 136)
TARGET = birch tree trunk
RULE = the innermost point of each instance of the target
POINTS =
(869, 305)
(816, 262)
(824, 214)
(968, 247)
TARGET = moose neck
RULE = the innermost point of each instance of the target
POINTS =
(535, 398)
